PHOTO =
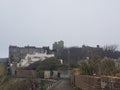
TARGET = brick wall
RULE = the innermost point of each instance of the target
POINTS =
(110, 83)
(86, 82)
(95, 83)
(26, 73)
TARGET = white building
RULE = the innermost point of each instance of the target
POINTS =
(31, 58)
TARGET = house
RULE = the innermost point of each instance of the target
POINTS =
(50, 74)
(32, 58)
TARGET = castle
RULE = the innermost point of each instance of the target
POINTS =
(17, 53)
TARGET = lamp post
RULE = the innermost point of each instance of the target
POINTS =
(68, 51)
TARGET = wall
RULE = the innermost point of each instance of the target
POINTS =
(86, 82)
(95, 83)
(110, 83)
(47, 74)
(17, 53)
(26, 73)
(64, 73)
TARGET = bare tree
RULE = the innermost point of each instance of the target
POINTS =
(111, 48)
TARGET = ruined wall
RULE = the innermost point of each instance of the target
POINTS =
(95, 83)
(17, 53)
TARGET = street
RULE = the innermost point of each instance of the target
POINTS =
(63, 85)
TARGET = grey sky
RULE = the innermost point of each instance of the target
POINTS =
(41, 22)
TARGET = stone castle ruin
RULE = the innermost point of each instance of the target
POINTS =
(17, 53)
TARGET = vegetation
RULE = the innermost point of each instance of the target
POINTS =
(76, 88)
(63, 67)
(2, 69)
(18, 84)
(107, 66)
(118, 74)
(4, 79)
(89, 67)
(93, 66)
(49, 64)
(75, 54)
(97, 67)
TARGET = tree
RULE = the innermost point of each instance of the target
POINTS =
(110, 48)
(89, 67)
(98, 67)
(84, 67)
(107, 66)
(111, 51)
(49, 64)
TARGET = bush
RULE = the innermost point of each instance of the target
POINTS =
(4, 79)
(118, 74)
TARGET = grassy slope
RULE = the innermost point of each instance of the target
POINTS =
(16, 84)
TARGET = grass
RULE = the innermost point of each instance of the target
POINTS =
(76, 88)
(8, 83)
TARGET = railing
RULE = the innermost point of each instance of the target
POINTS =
(52, 85)
(47, 84)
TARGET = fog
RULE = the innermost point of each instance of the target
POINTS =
(42, 22)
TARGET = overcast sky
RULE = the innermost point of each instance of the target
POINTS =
(41, 22)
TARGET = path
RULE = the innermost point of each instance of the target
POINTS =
(63, 85)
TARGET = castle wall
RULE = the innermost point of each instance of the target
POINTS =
(18, 53)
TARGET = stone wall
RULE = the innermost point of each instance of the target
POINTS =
(17, 53)
(95, 83)
(86, 82)
(26, 73)
(110, 83)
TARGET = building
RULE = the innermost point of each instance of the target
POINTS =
(31, 58)
(58, 48)
(58, 45)
(17, 56)
(17, 53)
(55, 46)
(50, 74)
